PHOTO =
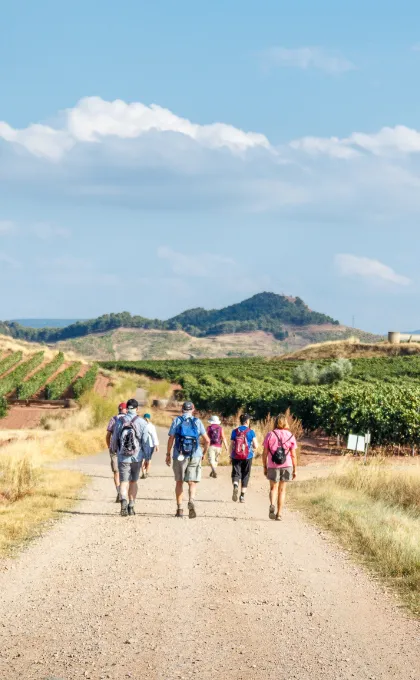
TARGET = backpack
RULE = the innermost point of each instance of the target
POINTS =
(279, 456)
(240, 444)
(187, 437)
(127, 437)
(114, 444)
(215, 434)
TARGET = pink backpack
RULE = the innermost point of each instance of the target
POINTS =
(215, 434)
(240, 445)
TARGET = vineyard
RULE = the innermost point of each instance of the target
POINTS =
(53, 380)
(382, 395)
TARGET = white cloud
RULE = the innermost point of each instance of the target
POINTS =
(353, 265)
(74, 272)
(93, 120)
(387, 142)
(6, 226)
(416, 47)
(307, 58)
(9, 261)
(45, 231)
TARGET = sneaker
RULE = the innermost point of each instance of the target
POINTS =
(235, 493)
(124, 508)
(179, 512)
(272, 512)
(279, 517)
(242, 498)
(143, 475)
(131, 510)
(191, 510)
(118, 498)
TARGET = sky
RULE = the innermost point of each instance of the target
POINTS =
(160, 156)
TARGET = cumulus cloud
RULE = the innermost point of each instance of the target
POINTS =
(308, 58)
(387, 142)
(353, 265)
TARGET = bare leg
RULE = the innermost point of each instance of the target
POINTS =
(281, 497)
(274, 493)
(117, 480)
(132, 491)
(147, 466)
(124, 490)
(192, 486)
(179, 488)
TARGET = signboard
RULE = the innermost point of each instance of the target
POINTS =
(358, 442)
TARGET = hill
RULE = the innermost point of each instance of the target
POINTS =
(266, 312)
(352, 348)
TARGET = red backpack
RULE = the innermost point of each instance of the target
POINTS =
(215, 434)
(240, 444)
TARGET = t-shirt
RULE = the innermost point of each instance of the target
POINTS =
(250, 438)
(112, 422)
(153, 438)
(141, 436)
(272, 442)
(212, 428)
(200, 432)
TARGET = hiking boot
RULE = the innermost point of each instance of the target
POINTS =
(211, 474)
(235, 493)
(131, 510)
(143, 476)
(179, 512)
(124, 508)
(279, 517)
(272, 512)
(191, 510)
(242, 498)
(214, 475)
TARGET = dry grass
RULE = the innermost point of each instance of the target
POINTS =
(352, 348)
(375, 511)
(8, 344)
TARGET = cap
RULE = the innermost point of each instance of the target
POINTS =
(147, 415)
(132, 404)
(122, 406)
(188, 406)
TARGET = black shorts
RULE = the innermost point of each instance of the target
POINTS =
(241, 471)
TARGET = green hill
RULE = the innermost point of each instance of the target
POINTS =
(266, 311)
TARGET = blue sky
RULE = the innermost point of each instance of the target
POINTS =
(158, 156)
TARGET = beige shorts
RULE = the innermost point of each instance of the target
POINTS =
(187, 470)
(280, 474)
(214, 453)
(114, 462)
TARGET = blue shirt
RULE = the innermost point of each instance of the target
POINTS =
(200, 430)
(250, 438)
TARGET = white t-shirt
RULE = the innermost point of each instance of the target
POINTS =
(153, 438)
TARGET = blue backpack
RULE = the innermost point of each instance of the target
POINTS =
(187, 436)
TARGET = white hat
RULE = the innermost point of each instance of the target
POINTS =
(214, 420)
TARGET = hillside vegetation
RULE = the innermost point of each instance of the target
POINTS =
(266, 311)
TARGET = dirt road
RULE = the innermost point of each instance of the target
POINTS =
(230, 595)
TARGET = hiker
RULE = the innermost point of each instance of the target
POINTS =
(184, 437)
(244, 444)
(279, 460)
(130, 439)
(122, 409)
(217, 439)
(153, 445)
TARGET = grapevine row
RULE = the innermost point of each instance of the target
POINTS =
(3, 407)
(33, 385)
(12, 380)
(9, 361)
(57, 387)
(86, 383)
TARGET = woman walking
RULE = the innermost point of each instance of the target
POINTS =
(217, 440)
(153, 445)
(279, 460)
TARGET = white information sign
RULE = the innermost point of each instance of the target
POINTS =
(356, 442)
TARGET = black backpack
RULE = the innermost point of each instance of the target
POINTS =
(280, 455)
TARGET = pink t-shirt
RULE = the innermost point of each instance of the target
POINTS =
(272, 442)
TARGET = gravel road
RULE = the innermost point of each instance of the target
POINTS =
(229, 595)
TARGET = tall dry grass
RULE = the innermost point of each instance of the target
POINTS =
(375, 511)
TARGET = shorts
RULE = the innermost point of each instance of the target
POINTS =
(214, 453)
(148, 453)
(187, 470)
(129, 472)
(114, 462)
(280, 474)
(241, 471)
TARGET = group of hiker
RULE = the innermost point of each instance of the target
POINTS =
(132, 440)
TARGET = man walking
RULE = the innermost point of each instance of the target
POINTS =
(131, 439)
(244, 444)
(184, 437)
(153, 445)
(122, 409)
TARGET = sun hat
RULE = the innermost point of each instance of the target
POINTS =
(147, 415)
(214, 420)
